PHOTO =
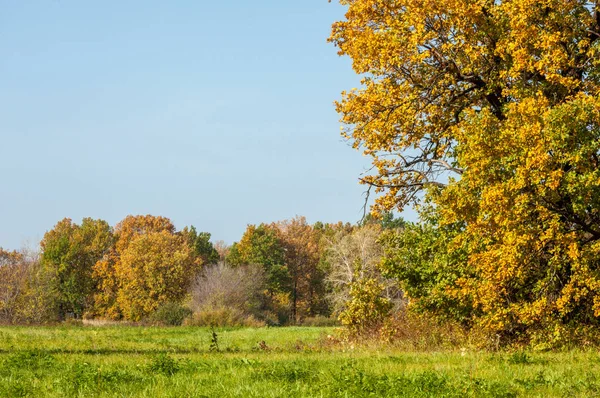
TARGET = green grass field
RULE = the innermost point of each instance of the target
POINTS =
(292, 362)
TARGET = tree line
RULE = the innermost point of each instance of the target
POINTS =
(287, 272)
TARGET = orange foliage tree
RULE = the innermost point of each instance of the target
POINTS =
(302, 254)
(156, 268)
(149, 265)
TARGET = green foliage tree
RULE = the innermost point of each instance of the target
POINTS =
(201, 245)
(261, 245)
(387, 220)
(419, 256)
(69, 252)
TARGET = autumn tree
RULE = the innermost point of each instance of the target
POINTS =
(69, 252)
(149, 264)
(27, 289)
(432, 67)
(133, 226)
(261, 245)
(13, 274)
(222, 249)
(155, 268)
(353, 258)
(290, 252)
(302, 253)
(494, 106)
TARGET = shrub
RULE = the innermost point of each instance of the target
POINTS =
(228, 296)
(416, 331)
(221, 317)
(164, 364)
(367, 307)
(222, 285)
(170, 314)
(409, 331)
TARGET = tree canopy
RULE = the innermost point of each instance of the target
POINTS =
(493, 107)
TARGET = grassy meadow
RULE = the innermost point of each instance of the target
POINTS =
(124, 361)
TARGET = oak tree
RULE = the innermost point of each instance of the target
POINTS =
(149, 264)
(494, 107)
(156, 268)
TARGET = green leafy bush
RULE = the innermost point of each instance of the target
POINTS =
(164, 364)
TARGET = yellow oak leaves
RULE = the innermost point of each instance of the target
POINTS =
(497, 104)
(149, 265)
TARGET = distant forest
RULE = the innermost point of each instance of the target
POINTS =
(144, 270)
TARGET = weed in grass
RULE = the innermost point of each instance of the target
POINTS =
(397, 359)
(589, 383)
(483, 388)
(249, 362)
(164, 364)
(114, 377)
(425, 384)
(285, 372)
(30, 360)
(533, 382)
(214, 341)
(82, 377)
(430, 381)
(519, 358)
(263, 346)
(359, 383)
(87, 379)
(16, 388)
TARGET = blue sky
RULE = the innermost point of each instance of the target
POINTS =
(216, 114)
